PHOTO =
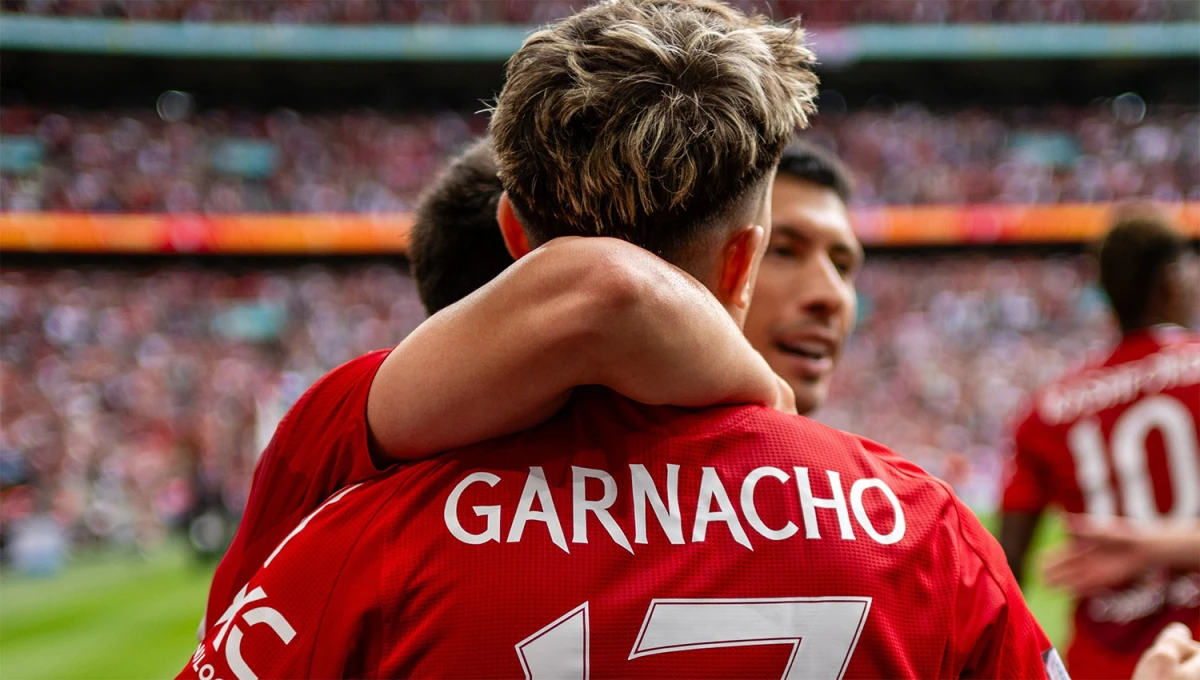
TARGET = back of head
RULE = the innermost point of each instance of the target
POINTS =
(456, 246)
(815, 164)
(648, 120)
(1135, 257)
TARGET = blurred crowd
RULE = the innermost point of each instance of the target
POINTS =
(541, 11)
(949, 348)
(223, 161)
(135, 399)
(218, 161)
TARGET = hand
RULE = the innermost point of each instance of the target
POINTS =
(1098, 556)
(1173, 656)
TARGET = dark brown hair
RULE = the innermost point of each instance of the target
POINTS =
(1133, 258)
(456, 245)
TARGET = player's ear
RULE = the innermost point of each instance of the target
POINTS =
(510, 228)
(1177, 293)
(739, 266)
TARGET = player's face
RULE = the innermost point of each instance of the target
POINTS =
(804, 301)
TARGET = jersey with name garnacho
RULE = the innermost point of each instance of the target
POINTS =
(623, 540)
(1120, 439)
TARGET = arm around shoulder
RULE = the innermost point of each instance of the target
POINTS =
(576, 311)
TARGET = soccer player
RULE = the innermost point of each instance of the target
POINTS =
(640, 330)
(608, 314)
(804, 298)
(620, 538)
(456, 247)
(805, 286)
(1118, 439)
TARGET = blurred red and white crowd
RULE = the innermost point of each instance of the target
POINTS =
(371, 162)
(132, 397)
(541, 11)
(128, 395)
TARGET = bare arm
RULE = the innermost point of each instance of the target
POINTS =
(1016, 533)
(574, 312)
(1165, 542)
(1103, 554)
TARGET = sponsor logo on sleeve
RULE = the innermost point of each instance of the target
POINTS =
(1055, 670)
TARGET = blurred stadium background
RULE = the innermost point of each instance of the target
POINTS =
(204, 203)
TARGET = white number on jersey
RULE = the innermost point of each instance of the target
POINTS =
(1128, 441)
(822, 632)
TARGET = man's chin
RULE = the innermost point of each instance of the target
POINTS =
(809, 396)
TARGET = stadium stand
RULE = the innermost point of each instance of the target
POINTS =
(234, 161)
(540, 11)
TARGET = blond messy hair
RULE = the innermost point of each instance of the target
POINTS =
(647, 119)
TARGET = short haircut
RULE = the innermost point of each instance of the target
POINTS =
(815, 164)
(456, 244)
(1134, 255)
(648, 120)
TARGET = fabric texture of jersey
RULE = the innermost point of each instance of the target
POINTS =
(1119, 438)
(622, 540)
(320, 446)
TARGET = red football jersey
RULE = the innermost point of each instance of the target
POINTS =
(1119, 439)
(319, 447)
(620, 539)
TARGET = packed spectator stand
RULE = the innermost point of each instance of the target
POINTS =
(540, 11)
(232, 161)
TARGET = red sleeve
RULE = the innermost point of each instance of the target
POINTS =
(996, 635)
(1026, 486)
(320, 446)
(281, 625)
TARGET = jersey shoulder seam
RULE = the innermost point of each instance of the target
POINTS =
(368, 523)
(987, 566)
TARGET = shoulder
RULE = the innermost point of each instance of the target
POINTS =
(291, 592)
(925, 502)
(1178, 354)
(806, 435)
(942, 526)
(350, 375)
(339, 396)
(341, 517)
(315, 555)
(1057, 401)
(1143, 363)
(319, 446)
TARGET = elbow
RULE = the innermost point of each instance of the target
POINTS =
(605, 281)
(595, 302)
(615, 286)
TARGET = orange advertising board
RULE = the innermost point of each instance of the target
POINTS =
(332, 234)
(242, 234)
(934, 225)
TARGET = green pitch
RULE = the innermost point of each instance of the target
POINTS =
(110, 616)
(124, 617)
